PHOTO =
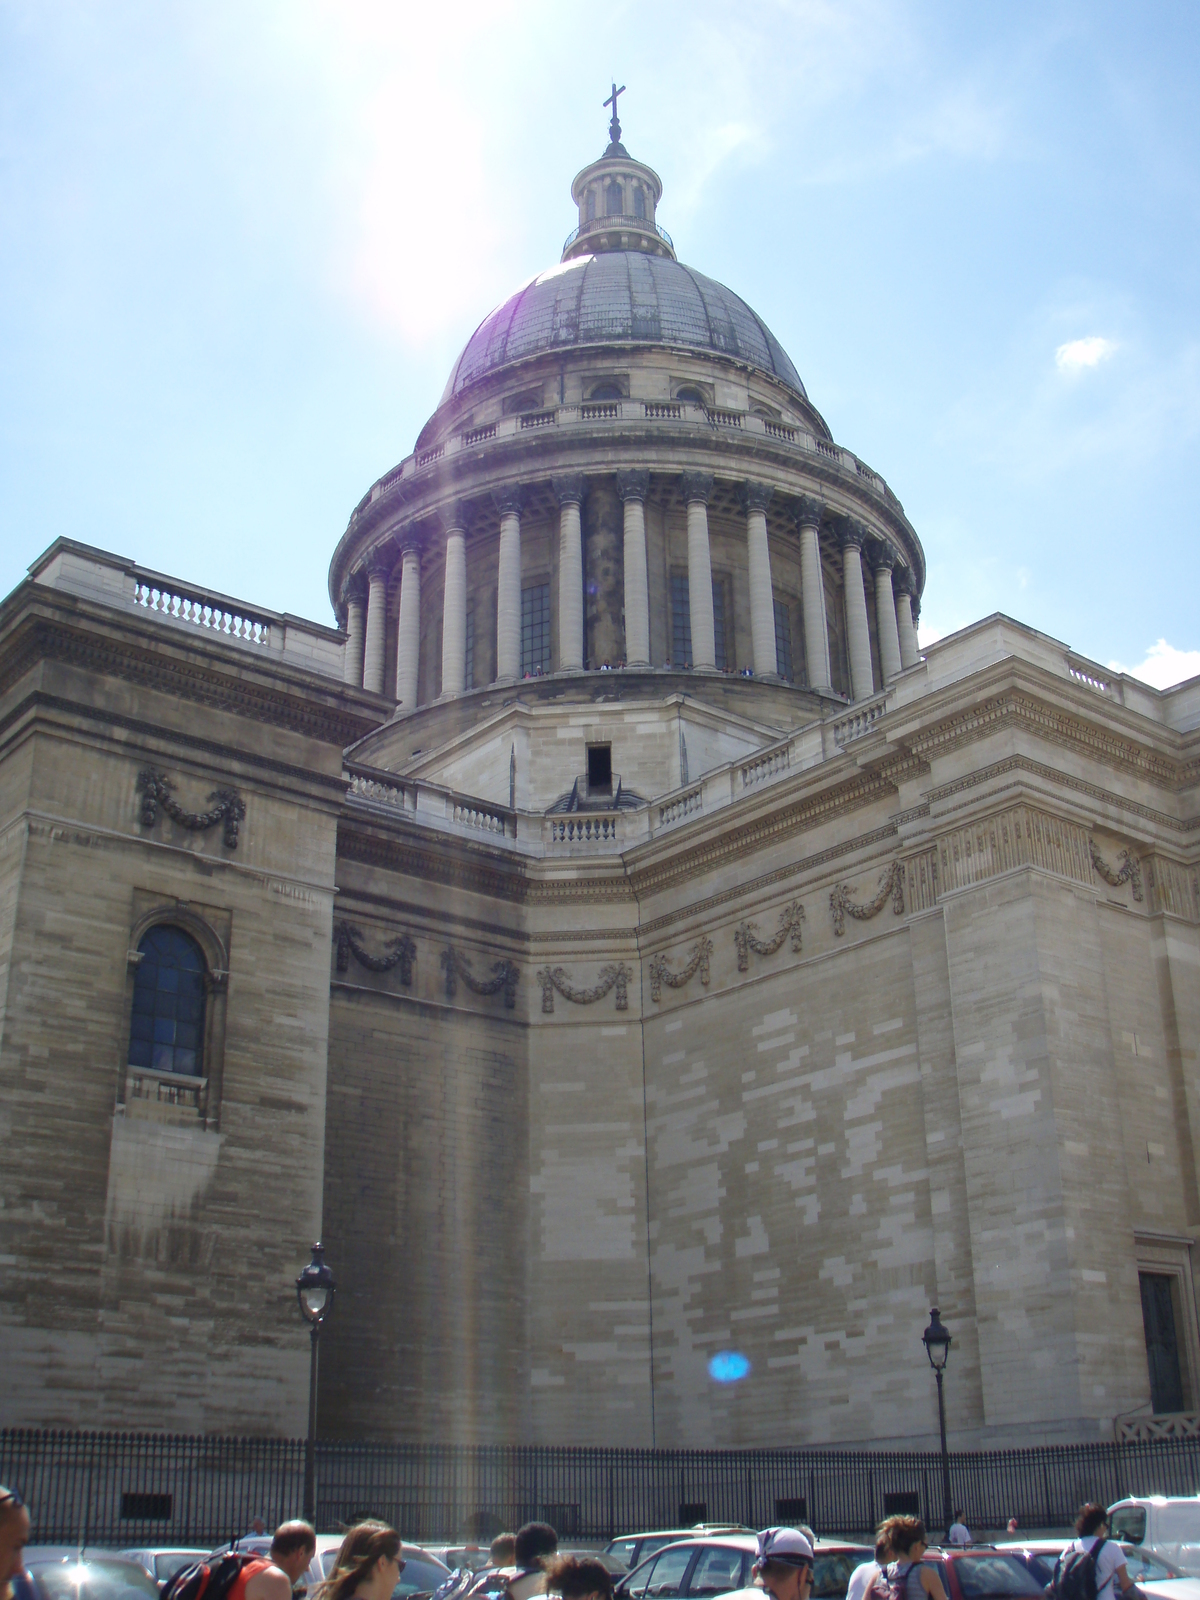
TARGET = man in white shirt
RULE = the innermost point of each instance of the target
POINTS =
(958, 1532)
(861, 1577)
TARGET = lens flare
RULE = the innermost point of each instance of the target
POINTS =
(728, 1366)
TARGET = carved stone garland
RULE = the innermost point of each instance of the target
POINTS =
(400, 952)
(660, 973)
(506, 974)
(841, 905)
(611, 977)
(790, 919)
(155, 789)
(1130, 873)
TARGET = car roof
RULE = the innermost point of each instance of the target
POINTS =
(71, 1552)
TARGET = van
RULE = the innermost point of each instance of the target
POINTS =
(1168, 1526)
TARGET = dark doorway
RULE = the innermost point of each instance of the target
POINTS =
(1162, 1341)
(599, 767)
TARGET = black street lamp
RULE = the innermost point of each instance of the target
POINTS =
(315, 1288)
(936, 1340)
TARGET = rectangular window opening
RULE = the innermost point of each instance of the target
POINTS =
(692, 1511)
(1160, 1324)
(535, 630)
(902, 1503)
(783, 640)
(138, 1507)
(681, 622)
(599, 759)
(789, 1510)
(719, 633)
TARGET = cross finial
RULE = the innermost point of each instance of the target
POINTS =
(614, 127)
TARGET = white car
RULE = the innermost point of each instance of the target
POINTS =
(1153, 1576)
(1166, 1525)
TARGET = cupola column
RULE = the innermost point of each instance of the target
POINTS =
(696, 487)
(633, 487)
(812, 587)
(454, 604)
(883, 559)
(356, 621)
(508, 588)
(903, 584)
(570, 574)
(373, 648)
(408, 629)
(852, 536)
(756, 497)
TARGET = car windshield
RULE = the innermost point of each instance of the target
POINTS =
(92, 1580)
(718, 1570)
(1141, 1565)
(1128, 1522)
(623, 1549)
(994, 1575)
(418, 1577)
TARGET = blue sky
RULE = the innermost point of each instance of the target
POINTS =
(243, 243)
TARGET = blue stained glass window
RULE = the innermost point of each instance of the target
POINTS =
(166, 1029)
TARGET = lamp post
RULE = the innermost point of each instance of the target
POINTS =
(315, 1289)
(936, 1340)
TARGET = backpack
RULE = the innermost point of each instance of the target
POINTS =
(892, 1584)
(1075, 1574)
(458, 1584)
(212, 1578)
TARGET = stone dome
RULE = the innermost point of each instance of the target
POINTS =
(621, 297)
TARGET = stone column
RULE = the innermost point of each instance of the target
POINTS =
(570, 574)
(812, 586)
(852, 536)
(454, 604)
(633, 487)
(756, 497)
(697, 486)
(903, 584)
(408, 629)
(377, 572)
(883, 559)
(508, 588)
(356, 621)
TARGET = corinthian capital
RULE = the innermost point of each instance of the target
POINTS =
(851, 535)
(569, 489)
(508, 502)
(756, 496)
(453, 517)
(695, 486)
(809, 511)
(633, 484)
(881, 555)
(903, 580)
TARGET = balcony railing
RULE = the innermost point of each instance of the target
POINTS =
(618, 223)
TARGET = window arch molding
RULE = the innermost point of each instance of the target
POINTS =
(175, 1099)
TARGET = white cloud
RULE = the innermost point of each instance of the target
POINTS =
(1089, 352)
(1164, 665)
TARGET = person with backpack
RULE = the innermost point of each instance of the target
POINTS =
(869, 1571)
(1092, 1565)
(906, 1577)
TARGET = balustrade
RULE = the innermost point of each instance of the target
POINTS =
(584, 828)
(201, 612)
(767, 765)
(682, 805)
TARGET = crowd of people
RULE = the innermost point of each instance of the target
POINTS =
(528, 1563)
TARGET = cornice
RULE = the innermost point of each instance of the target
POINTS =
(157, 665)
(1066, 729)
(441, 862)
(1061, 780)
(188, 744)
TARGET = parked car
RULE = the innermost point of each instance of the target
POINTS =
(607, 1560)
(162, 1563)
(461, 1555)
(422, 1574)
(64, 1572)
(984, 1574)
(1166, 1526)
(717, 1564)
(1154, 1576)
(632, 1548)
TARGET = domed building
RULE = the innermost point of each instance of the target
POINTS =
(640, 962)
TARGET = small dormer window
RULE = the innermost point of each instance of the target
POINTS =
(599, 759)
(591, 205)
(639, 202)
(613, 204)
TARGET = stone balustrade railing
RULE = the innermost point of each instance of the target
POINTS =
(167, 1088)
(602, 412)
(767, 764)
(95, 575)
(860, 719)
(684, 804)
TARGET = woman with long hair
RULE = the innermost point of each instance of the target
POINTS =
(368, 1565)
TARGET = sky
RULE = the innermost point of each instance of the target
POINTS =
(244, 240)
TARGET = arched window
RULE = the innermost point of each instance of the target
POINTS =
(606, 391)
(613, 204)
(639, 202)
(689, 393)
(166, 1031)
(591, 205)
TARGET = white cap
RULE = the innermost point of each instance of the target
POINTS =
(783, 1544)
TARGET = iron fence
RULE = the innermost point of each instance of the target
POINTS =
(127, 1489)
